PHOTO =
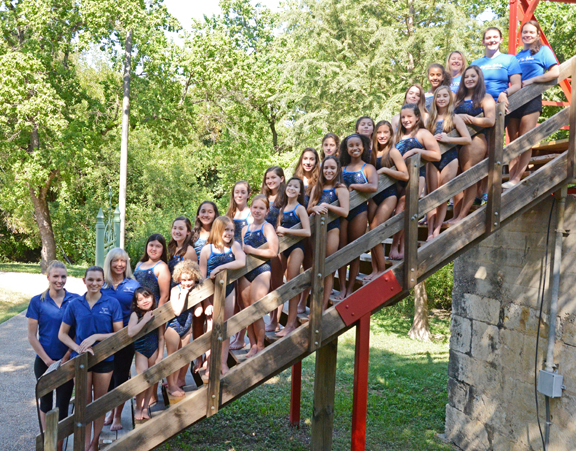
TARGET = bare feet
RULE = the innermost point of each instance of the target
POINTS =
(342, 295)
(181, 383)
(237, 345)
(138, 416)
(285, 331)
(271, 327)
(116, 425)
(430, 238)
(393, 254)
(224, 369)
(109, 418)
(253, 351)
(145, 413)
(176, 392)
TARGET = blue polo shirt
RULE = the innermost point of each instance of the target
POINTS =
(497, 72)
(96, 320)
(537, 64)
(455, 83)
(123, 294)
(49, 317)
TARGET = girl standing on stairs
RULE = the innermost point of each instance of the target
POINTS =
(441, 122)
(45, 313)
(180, 246)
(358, 175)
(222, 253)
(437, 76)
(330, 145)
(414, 95)
(256, 284)
(329, 189)
(291, 214)
(239, 212)
(388, 162)
(456, 63)
(412, 138)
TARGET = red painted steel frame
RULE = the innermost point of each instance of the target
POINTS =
(360, 400)
(296, 390)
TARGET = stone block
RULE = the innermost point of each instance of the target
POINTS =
(521, 295)
(460, 367)
(485, 342)
(457, 393)
(460, 334)
(524, 319)
(479, 308)
(464, 432)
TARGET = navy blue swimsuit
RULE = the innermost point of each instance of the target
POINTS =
(329, 196)
(148, 279)
(289, 220)
(355, 178)
(198, 245)
(447, 157)
(467, 107)
(256, 239)
(403, 146)
(388, 192)
(148, 344)
(217, 259)
(182, 323)
(272, 216)
(238, 226)
(171, 265)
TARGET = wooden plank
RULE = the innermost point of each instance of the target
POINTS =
(551, 147)
(51, 431)
(324, 390)
(572, 136)
(318, 275)
(218, 336)
(411, 223)
(495, 156)
(81, 394)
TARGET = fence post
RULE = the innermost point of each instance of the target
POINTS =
(117, 227)
(81, 395)
(51, 431)
(360, 396)
(218, 336)
(572, 137)
(100, 238)
(320, 228)
(495, 156)
(411, 223)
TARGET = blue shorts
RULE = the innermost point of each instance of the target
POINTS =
(357, 210)
(388, 192)
(299, 245)
(447, 158)
(257, 271)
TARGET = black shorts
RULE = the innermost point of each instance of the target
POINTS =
(528, 108)
(103, 367)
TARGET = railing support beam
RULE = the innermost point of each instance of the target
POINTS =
(324, 389)
(217, 338)
(51, 431)
(495, 158)
(360, 397)
(411, 223)
(81, 396)
(295, 394)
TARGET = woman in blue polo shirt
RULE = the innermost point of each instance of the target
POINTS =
(119, 284)
(44, 315)
(538, 65)
(94, 317)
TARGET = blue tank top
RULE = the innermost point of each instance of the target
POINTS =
(272, 216)
(404, 145)
(238, 226)
(219, 258)
(148, 279)
(467, 107)
(354, 177)
(198, 245)
(290, 218)
(255, 238)
(328, 196)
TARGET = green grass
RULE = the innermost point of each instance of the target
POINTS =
(34, 268)
(406, 399)
(11, 304)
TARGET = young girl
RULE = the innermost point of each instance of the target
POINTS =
(456, 63)
(442, 121)
(330, 188)
(256, 284)
(472, 100)
(178, 330)
(330, 145)
(412, 138)
(239, 212)
(307, 170)
(44, 315)
(291, 214)
(221, 253)
(538, 65)
(149, 348)
(180, 246)
(414, 95)
(358, 174)
(152, 269)
(365, 126)
(94, 317)
(437, 76)
(274, 188)
(388, 162)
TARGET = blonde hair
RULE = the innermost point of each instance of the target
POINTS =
(448, 123)
(218, 227)
(464, 62)
(54, 264)
(112, 255)
(187, 267)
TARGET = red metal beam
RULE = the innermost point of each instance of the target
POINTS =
(295, 394)
(360, 400)
(513, 27)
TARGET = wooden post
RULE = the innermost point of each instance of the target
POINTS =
(295, 394)
(81, 395)
(320, 223)
(572, 138)
(51, 431)
(495, 156)
(218, 336)
(411, 223)
(99, 239)
(324, 389)
(360, 397)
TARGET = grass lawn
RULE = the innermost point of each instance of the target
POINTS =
(406, 399)
(34, 268)
(11, 304)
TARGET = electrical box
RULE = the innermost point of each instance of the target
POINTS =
(550, 384)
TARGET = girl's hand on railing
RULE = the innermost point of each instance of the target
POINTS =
(469, 120)
(214, 272)
(87, 343)
(147, 316)
(441, 137)
(503, 98)
(248, 249)
(280, 231)
(409, 153)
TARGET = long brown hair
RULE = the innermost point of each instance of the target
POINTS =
(448, 122)
(281, 189)
(535, 47)
(479, 89)
(198, 223)
(154, 237)
(401, 130)
(232, 206)
(147, 293)
(217, 231)
(336, 139)
(422, 101)
(447, 76)
(300, 198)
(299, 170)
(173, 245)
(386, 160)
(338, 181)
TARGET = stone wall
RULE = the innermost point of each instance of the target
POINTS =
(494, 330)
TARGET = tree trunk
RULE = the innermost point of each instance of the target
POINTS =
(44, 222)
(124, 141)
(410, 33)
(420, 330)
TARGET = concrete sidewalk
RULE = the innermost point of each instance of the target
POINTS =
(33, 284)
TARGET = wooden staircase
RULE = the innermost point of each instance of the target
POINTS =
(319, 333)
